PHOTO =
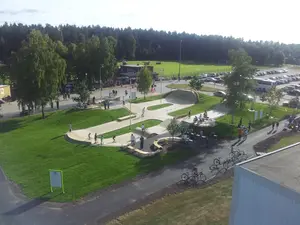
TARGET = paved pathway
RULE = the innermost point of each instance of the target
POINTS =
(14, 211)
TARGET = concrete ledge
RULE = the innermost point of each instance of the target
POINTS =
(126, 117)
(140, 153)
(73, 138)
(157, 143)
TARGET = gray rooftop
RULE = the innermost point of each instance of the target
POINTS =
(281, 166)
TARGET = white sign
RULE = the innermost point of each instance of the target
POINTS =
(261, 113)
(55, 178)
(255, 115)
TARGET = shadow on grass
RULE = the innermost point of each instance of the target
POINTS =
(59, 136)
(10, 125)
(30, 205)
(174, 158)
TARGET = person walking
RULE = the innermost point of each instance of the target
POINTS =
(95, 137)
(245, 133)
(143, 112)
(249, 126)
(70, 127)
(189, 113)
(114, 139)
(141, 142)
(273, 125)
(240, 132)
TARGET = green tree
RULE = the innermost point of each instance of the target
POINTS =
(240, 81)
(144, 81)
(273, 98)
(173, 127)
(195, 83)
(83, 92)
(37, 71)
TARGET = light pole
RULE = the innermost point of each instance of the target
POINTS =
(130, 102)
(161, 89)
(100, 82)
(179, 59)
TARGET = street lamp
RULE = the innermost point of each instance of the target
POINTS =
(100, 82)
(179, 59)
(161, 89)
(130, 102)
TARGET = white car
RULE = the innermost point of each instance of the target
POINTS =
(248, 97)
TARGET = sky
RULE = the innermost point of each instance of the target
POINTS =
(271, 20)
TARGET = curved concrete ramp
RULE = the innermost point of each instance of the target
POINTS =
(182, 97)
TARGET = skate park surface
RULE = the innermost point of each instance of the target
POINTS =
(179, 99)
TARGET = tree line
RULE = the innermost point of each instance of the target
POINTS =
(149, 44)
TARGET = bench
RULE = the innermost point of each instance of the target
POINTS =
(126, 117)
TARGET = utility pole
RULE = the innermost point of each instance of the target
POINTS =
(179, 59)
(161, 89)
(130, 102)
(100, 82)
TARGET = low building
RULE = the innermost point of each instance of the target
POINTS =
(131, 71)
(4, 91)
(266, 189)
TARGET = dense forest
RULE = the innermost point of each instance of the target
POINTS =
(142, 44)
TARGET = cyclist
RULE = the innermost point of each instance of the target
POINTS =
(195, 171)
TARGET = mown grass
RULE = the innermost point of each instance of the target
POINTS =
(31, 146)
(205, 102)
(148, 98)
(128, 129)
(156, 107)
(285, 141)
(171, 68)
(226, 128)
(207, 206)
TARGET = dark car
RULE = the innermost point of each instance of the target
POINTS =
(220, 94)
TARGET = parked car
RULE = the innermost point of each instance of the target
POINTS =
(220, 93)
(248, 97)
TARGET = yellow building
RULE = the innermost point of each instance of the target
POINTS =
(4, 91)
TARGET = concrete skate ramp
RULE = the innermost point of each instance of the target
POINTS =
(182, 97)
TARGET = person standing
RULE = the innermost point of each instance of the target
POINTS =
(104, 103)
(277, 125)
(114, 139)
(141, 142)
(240, 132)
(132, 140)
(190, 113)
(89, 136)
(101, 138)
(70, 127)
(108, 104)
(249, 126)
(143, 129)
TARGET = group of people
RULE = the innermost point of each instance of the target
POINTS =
(133, 141)
(201, 118)
(96, 138)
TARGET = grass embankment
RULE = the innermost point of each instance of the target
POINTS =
(148, 98)
(285, 141)
(205, 102)
(128, 129)
(207, 206)
(171, 68)
(187, 87)
(156, 107)
(31, 146)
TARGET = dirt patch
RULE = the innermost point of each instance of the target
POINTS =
(266, 144)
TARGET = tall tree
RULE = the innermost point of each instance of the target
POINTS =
(195, 83)
(273, 98)
(144, 81)
(37, 71)
(240, 81)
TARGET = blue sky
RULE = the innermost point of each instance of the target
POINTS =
(256, 19)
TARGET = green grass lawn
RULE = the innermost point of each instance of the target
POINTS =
(186, 86)
(205, 102)
(224, 123)
(148, 98)
(171, 68)
(125, 130)
(31, 146)
(155, 107)
(285, 141)
(206, 206)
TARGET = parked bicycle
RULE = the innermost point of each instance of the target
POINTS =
(218, 164)
(193, 177)
(238, 156)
